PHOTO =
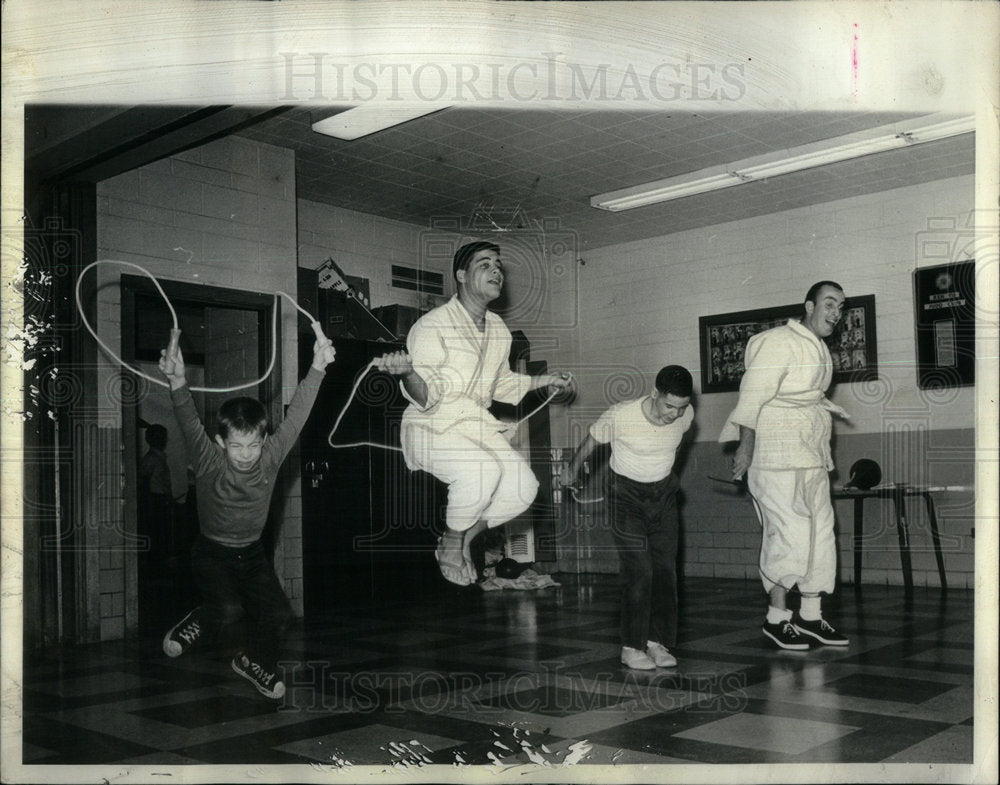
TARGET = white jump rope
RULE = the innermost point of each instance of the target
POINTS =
(175, 334)
(375, 364)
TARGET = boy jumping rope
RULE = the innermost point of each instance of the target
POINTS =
(644, 435)
(234, 477)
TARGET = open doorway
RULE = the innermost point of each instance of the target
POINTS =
(227, 339)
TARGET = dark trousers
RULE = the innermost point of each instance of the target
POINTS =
(234, 581)
(645, 524)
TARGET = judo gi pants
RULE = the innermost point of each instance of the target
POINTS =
(645, 526)
(487, 478)
(798, 545)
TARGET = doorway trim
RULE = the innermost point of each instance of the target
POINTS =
(183, 294)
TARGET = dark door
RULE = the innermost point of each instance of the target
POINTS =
(370, 525)
(226, 340)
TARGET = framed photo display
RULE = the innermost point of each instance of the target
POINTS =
(723, 339)
(944, 301)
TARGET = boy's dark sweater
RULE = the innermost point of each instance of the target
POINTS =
(232, 504)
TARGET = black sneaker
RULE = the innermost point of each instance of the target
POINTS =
(267, 682)
(785, 635)
(821, 630)
(183, 635)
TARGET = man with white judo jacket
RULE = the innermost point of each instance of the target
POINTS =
(456, 364)
(783, 424)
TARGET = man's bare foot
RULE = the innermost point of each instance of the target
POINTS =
(450, 558)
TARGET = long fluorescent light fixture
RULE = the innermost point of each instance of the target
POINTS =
(841, 148)
(366, 119)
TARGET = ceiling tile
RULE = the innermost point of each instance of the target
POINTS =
(460, 158)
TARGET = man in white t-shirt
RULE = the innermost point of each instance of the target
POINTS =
(644, 435)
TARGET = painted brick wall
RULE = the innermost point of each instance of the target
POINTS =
(638, 306)
(638, 303)
(635, 307)
(367, 246)
(362, 245)
(222, 214)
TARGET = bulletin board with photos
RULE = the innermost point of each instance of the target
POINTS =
(723, 339)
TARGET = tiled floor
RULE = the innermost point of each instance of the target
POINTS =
(513, 678)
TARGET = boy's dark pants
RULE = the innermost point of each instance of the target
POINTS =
(234, 580)
(645, 524)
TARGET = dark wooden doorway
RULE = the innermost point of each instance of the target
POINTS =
(227, 338)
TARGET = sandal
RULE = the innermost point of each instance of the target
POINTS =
(454, 571)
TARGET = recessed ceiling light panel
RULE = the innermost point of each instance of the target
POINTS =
(368, 118)
(842, 148)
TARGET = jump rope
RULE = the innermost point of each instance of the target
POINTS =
(574, 491)
(175, 334)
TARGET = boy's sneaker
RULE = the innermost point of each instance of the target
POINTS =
(660, 655)
(266, 681)
(183, 635)
(821, 630)
(786, 636)
(637, 660)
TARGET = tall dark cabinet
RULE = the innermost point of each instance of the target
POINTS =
(369, 524)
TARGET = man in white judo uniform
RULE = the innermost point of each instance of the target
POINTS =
(784, 425)
(456, 364)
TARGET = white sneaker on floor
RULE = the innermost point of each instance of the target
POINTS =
(637, 660)
(659, 654)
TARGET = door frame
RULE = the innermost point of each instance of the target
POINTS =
(269, 391)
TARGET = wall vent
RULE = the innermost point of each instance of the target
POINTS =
(520, 545)
(424, 281)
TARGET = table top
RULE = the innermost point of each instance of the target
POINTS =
(895, 489)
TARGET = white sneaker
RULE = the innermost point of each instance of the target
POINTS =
(637, 660)
(659, 654)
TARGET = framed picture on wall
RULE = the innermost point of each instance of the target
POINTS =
(944, 301)
(723, 339)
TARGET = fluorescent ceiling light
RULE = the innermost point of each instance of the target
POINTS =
(796, 159)
(368, 118)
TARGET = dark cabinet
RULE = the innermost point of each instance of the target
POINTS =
(369, 524)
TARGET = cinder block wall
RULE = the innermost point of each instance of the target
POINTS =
(637, 307)
(365, 246)
(223, 215)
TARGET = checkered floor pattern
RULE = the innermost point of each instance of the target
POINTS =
(514, 678)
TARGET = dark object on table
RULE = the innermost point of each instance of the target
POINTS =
(865, 474)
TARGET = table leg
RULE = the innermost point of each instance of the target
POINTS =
(902, 529)
(859, 531)
(936, 538)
